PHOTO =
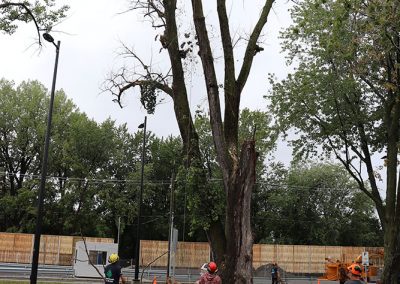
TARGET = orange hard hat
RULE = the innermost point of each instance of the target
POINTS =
(355, 269)
(212, 267)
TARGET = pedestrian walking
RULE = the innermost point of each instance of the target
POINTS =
(275, 273)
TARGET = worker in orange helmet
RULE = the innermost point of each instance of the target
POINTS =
(355, 272)
(210, 277)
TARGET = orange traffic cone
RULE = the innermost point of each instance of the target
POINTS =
(155, 280)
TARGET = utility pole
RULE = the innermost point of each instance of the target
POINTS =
(137, 248)
(171, 222)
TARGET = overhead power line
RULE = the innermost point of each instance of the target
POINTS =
(266, 184)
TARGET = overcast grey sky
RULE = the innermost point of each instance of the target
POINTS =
(91, 37)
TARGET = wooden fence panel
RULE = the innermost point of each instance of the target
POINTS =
(284, 257)
(66, 245)
(50, 258)
(263, 255)
(350, 253)
(151, 250)
(23, 243)
(65, 259)
(191, 254)
(333, 253)
(51, 244)
(23, 257)
(301, 259)
(17, 248)
(10, 256)
(6, 241)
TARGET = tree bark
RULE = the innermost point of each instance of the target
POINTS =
(216, 239)
(392, 253)
(239, 259)
(179, 92)
(391, 222)
(238, 172)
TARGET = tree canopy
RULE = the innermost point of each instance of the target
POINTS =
(93, 167)
(42, 13)
(343, 98)
(329, 209)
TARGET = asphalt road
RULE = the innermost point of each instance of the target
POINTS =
(65, 274)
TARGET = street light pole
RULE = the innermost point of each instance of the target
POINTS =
(38, 230)
(137, 248)
(171, 224)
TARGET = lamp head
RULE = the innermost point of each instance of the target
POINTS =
(141, 125)
(48, 37)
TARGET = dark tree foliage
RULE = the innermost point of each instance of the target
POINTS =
(329, 209)
(344, 98)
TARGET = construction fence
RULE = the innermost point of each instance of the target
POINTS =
(60, 250)
(299, 259)
(54, 250)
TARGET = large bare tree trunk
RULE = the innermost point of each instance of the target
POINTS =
(232, 244)
(238, 170)
(239, 255)
(391, 217)
(392, 254)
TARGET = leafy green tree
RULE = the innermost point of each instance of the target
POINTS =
(253, 124)
(79, 148)
(41, 12)
(327, 207)
(344, 97)
(94, 168)
(117, 199)
(265, 203)
(86, 155)
(20, 139)
(22, 130)
(162, 158)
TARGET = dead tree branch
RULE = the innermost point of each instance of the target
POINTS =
(90, 261)
(142, 76)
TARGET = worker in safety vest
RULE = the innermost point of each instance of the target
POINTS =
(112, 272)
(354, 274)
